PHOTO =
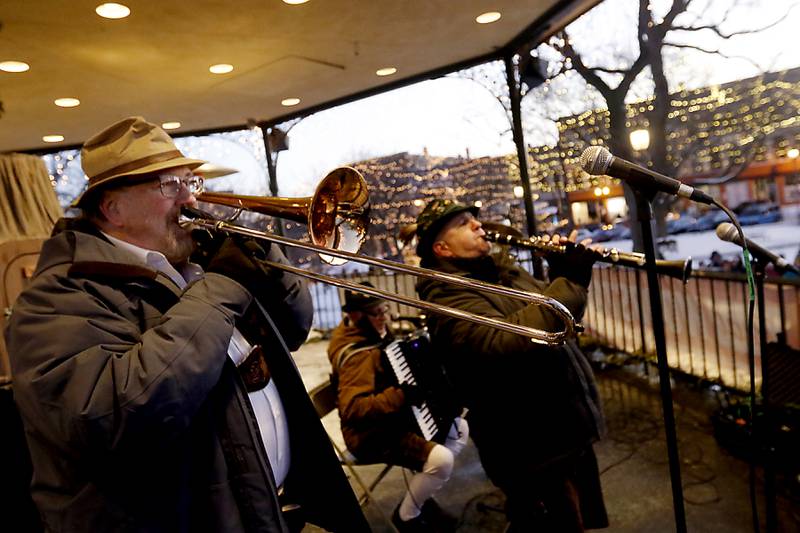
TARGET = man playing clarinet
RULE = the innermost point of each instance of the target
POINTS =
(533, 410)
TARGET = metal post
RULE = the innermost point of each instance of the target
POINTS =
(522, 155)
(271, 170)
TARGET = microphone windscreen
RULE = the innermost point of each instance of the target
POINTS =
(727, 232)
(595, 160)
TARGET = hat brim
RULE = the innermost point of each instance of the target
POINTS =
(425, 244)
(147, 169)
(352, 307)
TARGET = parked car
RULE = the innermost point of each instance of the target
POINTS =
(710, 220)
(758, 213)
(611, 232)
(681, 225)
(584, 233)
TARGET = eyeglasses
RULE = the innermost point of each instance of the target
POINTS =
(172, 185)
(379, 312)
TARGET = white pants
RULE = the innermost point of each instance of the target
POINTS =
(435, 472)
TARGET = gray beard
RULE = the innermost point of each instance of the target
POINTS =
(179, 248)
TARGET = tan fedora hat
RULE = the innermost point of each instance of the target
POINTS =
(129, 148)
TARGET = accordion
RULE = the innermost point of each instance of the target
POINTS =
(413, 363)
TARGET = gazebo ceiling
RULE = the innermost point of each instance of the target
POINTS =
(156, 61)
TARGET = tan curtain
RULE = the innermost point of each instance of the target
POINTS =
(28, 204)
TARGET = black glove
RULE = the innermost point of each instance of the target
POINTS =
(575, 263)
(207, 244)
(242, 259)
(413, 394)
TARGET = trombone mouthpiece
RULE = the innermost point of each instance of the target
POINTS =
(189, 214)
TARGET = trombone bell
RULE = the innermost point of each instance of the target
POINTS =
(337, 215)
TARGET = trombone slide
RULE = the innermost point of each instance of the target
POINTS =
(548, 338)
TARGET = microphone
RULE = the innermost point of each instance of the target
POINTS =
(597, 160)
(727, 232)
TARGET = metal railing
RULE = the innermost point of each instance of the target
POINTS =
(328, 299)
(705, 320)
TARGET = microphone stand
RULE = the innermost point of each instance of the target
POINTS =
(644, 212)
(760, 426)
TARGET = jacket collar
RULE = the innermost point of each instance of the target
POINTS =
(481, 268)
(78, 243)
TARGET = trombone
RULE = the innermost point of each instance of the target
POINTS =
(337, 217)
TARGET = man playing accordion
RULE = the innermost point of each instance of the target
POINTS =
(376, 415)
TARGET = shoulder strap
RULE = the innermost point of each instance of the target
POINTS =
(349, 350)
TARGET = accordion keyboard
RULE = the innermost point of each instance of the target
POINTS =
(405, 375)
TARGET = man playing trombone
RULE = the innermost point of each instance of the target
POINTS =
(125, 354)
(512, 386)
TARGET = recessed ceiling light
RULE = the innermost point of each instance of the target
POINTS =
(171, 125)
(14, 66)
(387, 71)
(294, 2)
(488, 18)
(112, 11)
(288, 102)
(53, 138)
(67, 102)
(221, 68)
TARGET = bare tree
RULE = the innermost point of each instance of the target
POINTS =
(540, 116)
(617, 79)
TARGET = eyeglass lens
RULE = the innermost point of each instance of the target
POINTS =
(171, 185)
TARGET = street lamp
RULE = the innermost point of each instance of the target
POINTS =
(794, 153)
(640, 139)
(601, 193)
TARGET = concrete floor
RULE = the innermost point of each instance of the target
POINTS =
(632, 458)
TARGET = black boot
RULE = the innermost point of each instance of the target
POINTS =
(417, 524)
(442, 520)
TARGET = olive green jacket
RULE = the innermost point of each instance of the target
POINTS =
(135, 417)
(512, 386)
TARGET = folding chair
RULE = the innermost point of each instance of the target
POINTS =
(323, 397)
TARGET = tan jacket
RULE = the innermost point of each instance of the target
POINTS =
(374, 416)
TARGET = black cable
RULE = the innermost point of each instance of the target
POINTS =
(639, 427)
(751, 356)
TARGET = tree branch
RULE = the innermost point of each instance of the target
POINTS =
(638, 65)
(643, 38)
(610, 70)
(713, 52)
(716, 27)
(577, 63)
(678, 7)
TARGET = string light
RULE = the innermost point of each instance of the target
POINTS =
(706, 129)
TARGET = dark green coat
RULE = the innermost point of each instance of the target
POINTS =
(136, 418)
(529, 405)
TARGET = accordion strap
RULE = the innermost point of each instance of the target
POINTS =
(346, 352)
